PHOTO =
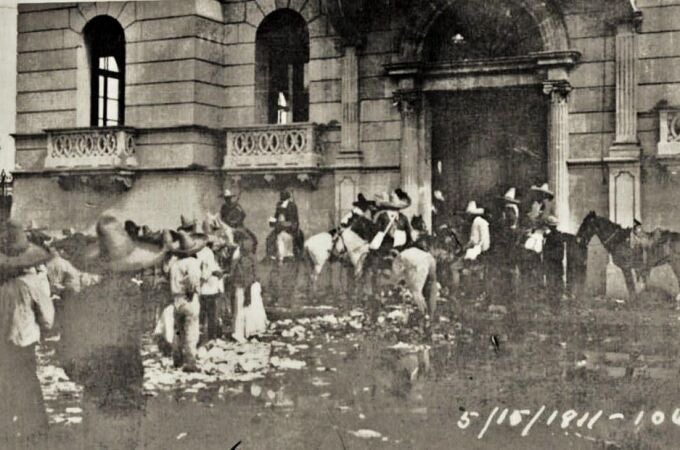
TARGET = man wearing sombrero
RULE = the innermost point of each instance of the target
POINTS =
(360, 207)
(505, 233)
(542, 205)
(102, 328)
(25, 308)
(185, 275)
(394, 228)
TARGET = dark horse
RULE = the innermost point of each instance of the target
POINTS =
(661, 247)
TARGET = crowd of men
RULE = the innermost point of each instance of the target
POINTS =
(104, 286)
(101, 289)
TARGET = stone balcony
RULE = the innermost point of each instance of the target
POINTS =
(90, 149)
(289, 148)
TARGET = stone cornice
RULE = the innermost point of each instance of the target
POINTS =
(528, 63)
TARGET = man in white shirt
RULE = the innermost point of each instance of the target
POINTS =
(480, 239)
(185, 287)
(212, 289)
(25, 308)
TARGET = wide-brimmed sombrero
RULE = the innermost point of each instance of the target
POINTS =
(17, 252)
(116, 251)
(186, 224)
(362, 203)
(543, 189)
(187, 244)
(511, 196)
(473, 209)
(397, 200)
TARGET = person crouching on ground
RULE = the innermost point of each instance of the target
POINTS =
(23, 419)
(102, 328)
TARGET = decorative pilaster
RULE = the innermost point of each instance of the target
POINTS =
(350, 106)
(409, 103)
(624, 155)
(558, 148)
(626, 113)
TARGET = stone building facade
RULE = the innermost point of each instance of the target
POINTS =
(330, 98)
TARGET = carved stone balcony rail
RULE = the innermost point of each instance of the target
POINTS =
(90, 148)
(292, 148)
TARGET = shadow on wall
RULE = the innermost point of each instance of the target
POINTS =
(156, 200)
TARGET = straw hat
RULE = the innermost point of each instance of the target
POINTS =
(473, 209)
(511, 196)
(188, 244)
(187, 225)
(227, 193)
(543, 189)
(116, 251)
(396, 200)
(16, 251)
(552, 221)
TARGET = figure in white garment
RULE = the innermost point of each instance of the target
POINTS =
(283, 109)
(480, 240)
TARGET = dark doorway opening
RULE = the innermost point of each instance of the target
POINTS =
(485, 141)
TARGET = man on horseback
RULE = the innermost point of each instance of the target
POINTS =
(392, 233)
(234, 216)
(394, 229)
(231, 212)
(285, 219)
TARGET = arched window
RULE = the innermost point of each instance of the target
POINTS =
(466, 31)
(105, 41)
(282, 57)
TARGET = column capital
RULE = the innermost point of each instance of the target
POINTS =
(562, 88)
(408, 101)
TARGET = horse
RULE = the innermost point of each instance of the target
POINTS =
(418, 269)
(663, 247)
(285, 268)
(316, 252)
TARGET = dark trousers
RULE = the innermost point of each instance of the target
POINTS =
(208, 316)
(553, 280)
(23, 420)
(113, 398)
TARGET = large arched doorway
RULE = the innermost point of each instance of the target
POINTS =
(486, 136)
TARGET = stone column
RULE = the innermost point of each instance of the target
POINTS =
(623, 161)
(558, 148)
(410, 103)
(349, 147)
(626, 114)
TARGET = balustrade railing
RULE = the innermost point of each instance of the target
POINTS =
(90, 148)
(291, 146)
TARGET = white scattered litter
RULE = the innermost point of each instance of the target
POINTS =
(366, 434)
(286, 363)
(181, 436)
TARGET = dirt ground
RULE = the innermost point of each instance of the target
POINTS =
(594, 373)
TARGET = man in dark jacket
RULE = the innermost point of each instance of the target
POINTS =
(231, 212)
(285, 219)
(553, 257)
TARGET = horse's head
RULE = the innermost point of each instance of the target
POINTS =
(608, 231)
(418, 224)
(587, 229)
